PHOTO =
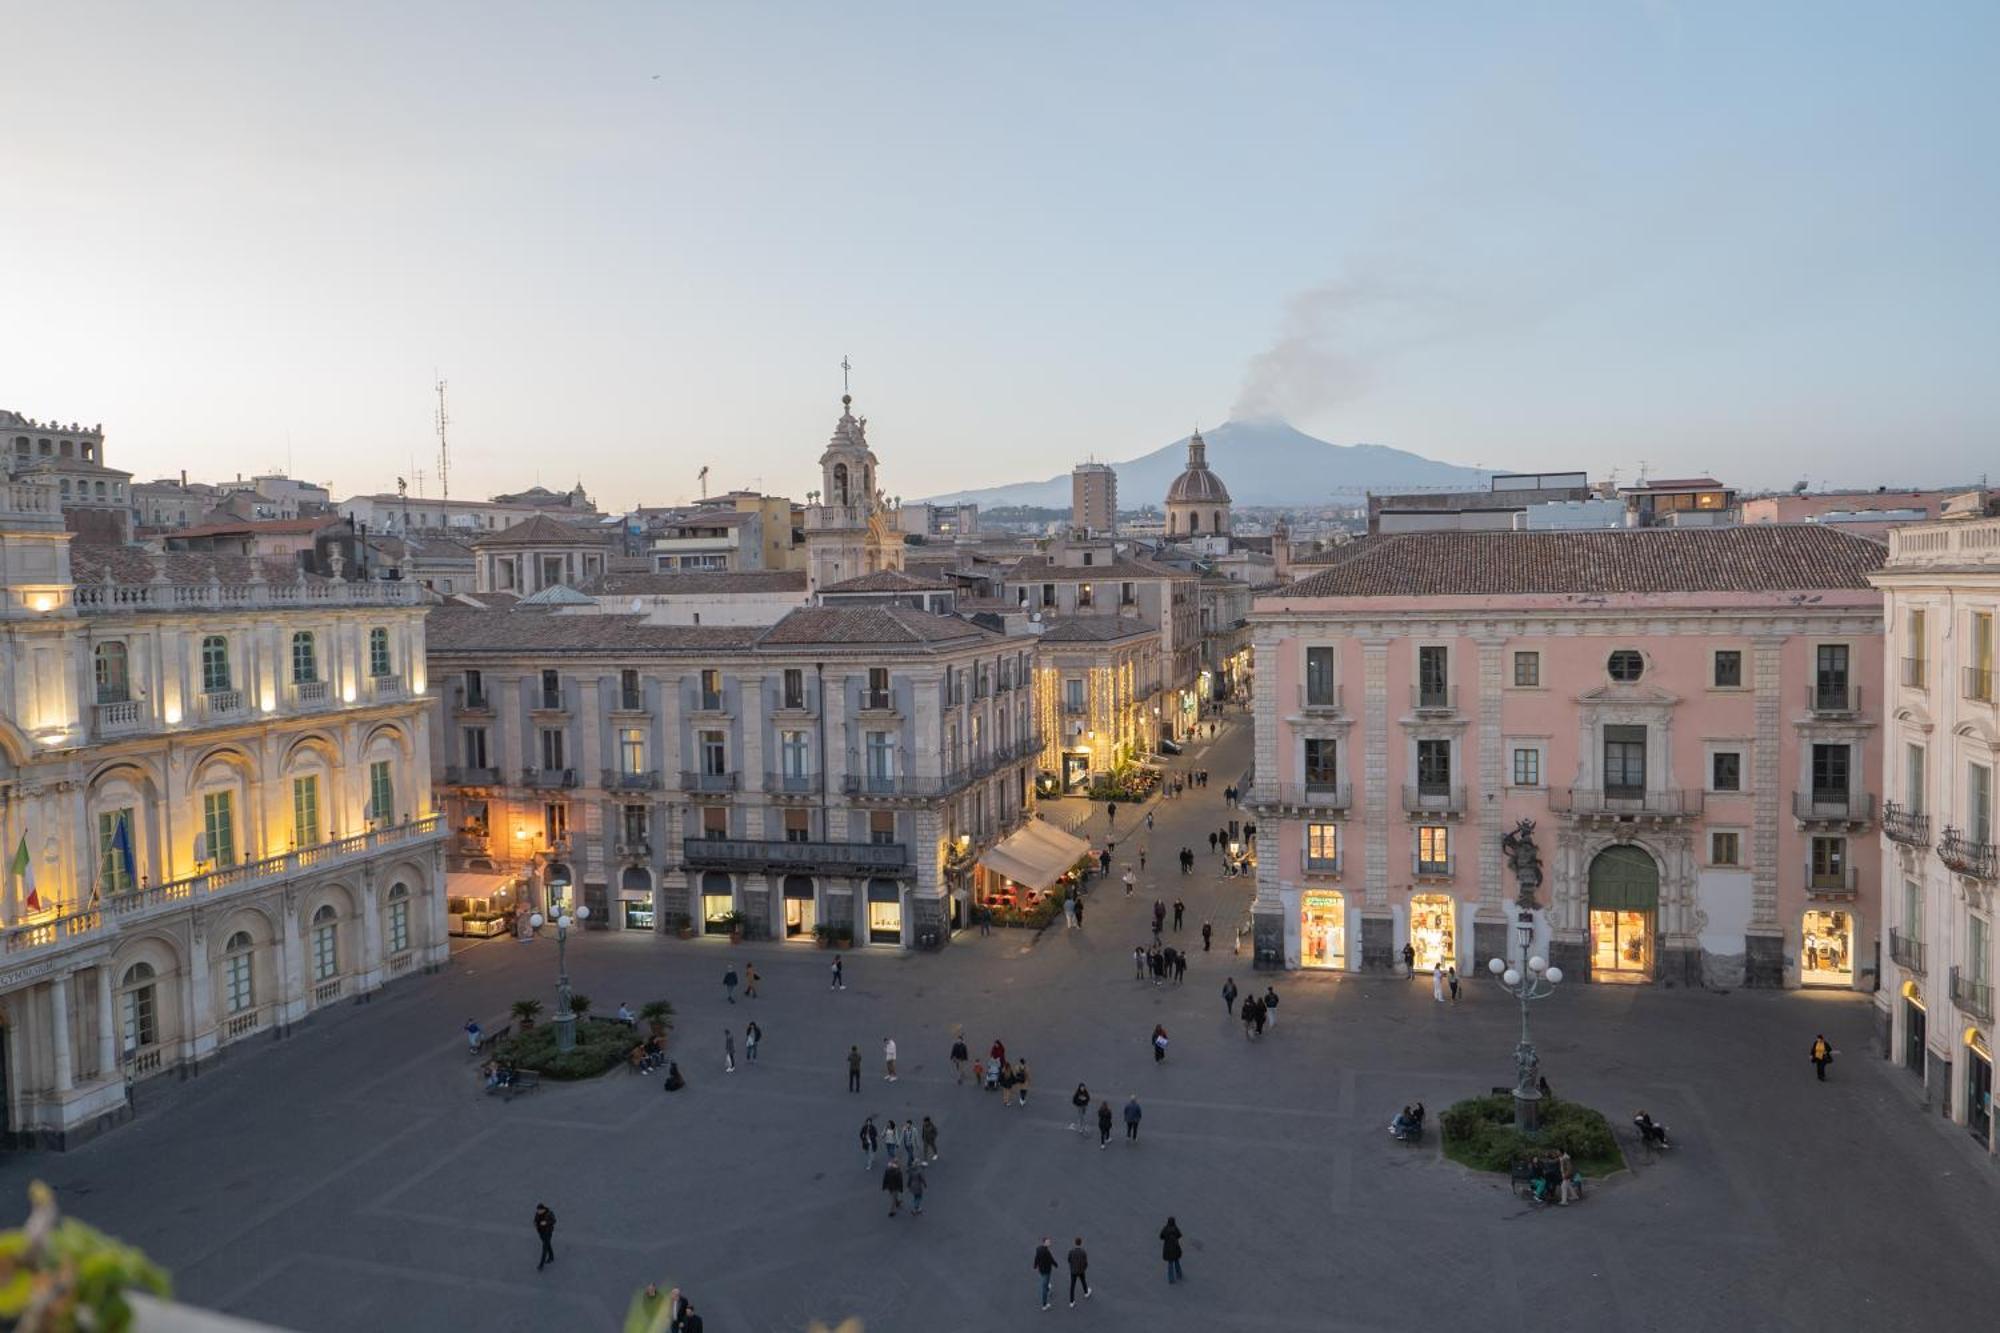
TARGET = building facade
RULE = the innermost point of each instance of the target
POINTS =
(1097, 695)
(1686, 716)
(1093, 499)
(1086, 581)
(214, 794)
(1940, 953)
(538, 554)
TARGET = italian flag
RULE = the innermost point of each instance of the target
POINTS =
(22, 868)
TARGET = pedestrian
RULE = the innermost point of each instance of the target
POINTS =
(1170, 1250)
(1021, 1079)
(998, 1051)
(1180, 967)
(870, 1140)
(1069, 911)
(889, 1059)
(729, 982)
(1079, 1266)
(985, 915)
(891, 1142)
(1409, 961)
(1451, 980)
(545, 1227)
(1104, 1124)
(1132, 1114)
(1822, 1056)
(1077, 898)
(1111, 811)
(958, 1058)
(1180, 910)
(1207, 933)
(689, 1322)
(839, 982)
(1570, 1189)
(1187, 860)
(908, 1138)
(1007, 1081)
(1159, 1043)
(1128, 880)
(1270, 1007)
(930, 1141)
(473, 1036)
(1211, 843)
(917, 1186)
(1159, 915)
(1142, 856)
(1138, 962)
(1229, 995)
(1045, 1268)
(751, 1036)
(1437, 982)
(1153, 961)
(1149, 821)
(892, 1185)
(728, 1051)
(854, 1069)
(1104, 861)
(1080, 1099)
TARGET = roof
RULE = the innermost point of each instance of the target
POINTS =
(1196, 484)
(1118, 571)
(272, 527)
(558, 594)
(1674, 484)
(892, 580)
(695, 583)
(464, 629)
(1771, 557)
(883, 626)
(132, 564)
(1094, 629)
(541, 530)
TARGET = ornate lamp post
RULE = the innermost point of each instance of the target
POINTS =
(1532, 980)
(565, 1019)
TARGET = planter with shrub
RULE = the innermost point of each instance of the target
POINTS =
(1479, 1132)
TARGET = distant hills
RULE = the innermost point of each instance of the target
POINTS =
(1264, 462)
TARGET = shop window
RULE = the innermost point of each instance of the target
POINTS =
(1322, 930)
(885, 912)
(1729, 668)
(1432, 931)
(1528, 669)
(1826, 949)
(1725, 848)
(1726, 770)
(139, 1002)
(1626, 665)
(718, 899)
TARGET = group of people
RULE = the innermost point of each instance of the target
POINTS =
(908, 1149)
(1163, 963)
(1258, 1012)
(1552, 1178)
(1080, 1103)
(1078, 1260)
(648, 1055)
(1409, 1122)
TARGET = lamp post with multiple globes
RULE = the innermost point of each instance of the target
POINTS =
(1533, 980)
(565, 1017)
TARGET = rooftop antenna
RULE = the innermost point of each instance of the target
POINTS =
(444, 446)
(702, 477)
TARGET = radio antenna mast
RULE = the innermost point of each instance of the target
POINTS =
(444, 445)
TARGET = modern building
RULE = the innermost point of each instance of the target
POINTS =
(1197, 501)
(402, 514)
(1097, 695)
(1679, 502)
(1498, 508)
(540, 553)
(936, 522)
(1867, 513)
(1941, 867)
(1093, 499)
(1686, 716)
(216, 805)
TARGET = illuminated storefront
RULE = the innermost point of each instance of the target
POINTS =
(1433, 931)
(885, 911)
(1826, 948)
(1323, 929)
(801, 910)
(1624, 904)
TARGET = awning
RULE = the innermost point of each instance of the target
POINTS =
(475, 884)
(1036, 854)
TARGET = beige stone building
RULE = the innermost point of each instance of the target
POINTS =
(1097, 693)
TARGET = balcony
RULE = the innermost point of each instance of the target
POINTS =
(835, 518)
(711, 702)
(468, 702)
(637, 851)
(617, 779)
(773, 856)
(1833, 806)
(126, 717)
(123, 598)
(628, 701)
(125, 910)
(710, 783)
(1841, 883)
(1322, 865)
(475, 844)
(1979, 684)
(1962, 854)
(1972, 997)
(1075, 707)
(1325, 699)
(1909, 827)
(1428, 798)
(1331, 797)
(305, 695)
(1906, 953)
(456, 775)
(383, 688)
(1433, 868)
(1833, 699)
(901, 786)
(1626, 803)
(791, 785)
(1916, 673)
(548, 779)
(221, 705)
(1434, 698)
(549, 701)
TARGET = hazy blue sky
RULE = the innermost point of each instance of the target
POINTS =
(1751, 239)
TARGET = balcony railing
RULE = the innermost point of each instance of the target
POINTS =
(387, 687)
(791, 784)
(1979, 684)
(1916, 673)
(1316, 795)
(1439, 798)
(1662, 803)
(1325, 699)
(127, 909)
(1904, 825)
(878, 701)
(641, 849)
(1434, 698)
(474, 844)
(831, 517)
(118, 598)
(617, 779)
(1957, 850)
(1972, 997)
(1906, 953)
(1842, 883)
(457, 775)
(1833, 807)
(219, 705)
(1075, 707)
(1830, 699)
(867, 858)
(476, 701)
(548, 778)
(308, 694)
(122, 718)
(1322, 865)
(902, 785)
(1433, 867)
(707, 782)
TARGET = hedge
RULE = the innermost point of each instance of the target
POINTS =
(1479, 1132)
(600, 1045)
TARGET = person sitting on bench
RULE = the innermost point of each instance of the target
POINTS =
(674, 1081)
(626, 1016)
(1406, 1125)
(1651, 1133)
(1417, 1114)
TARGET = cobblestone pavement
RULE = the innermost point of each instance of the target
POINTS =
(353, 1176)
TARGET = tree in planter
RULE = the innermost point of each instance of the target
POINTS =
(579, 1005)
(525, 1013)
(733, 922)
(659, 1016)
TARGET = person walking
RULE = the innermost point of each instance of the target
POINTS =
(892, 1185)
(1080, 1099)
(1079, 1271)
(1207, 934)
(1822, 1056)
(1187, 861)
(1104, 860)
(908, 1138)
(917, 1186)
(1180, 967)
(985, 915)
(1021, 1079)
(1128, 880)
(1211, 843)
(1159, 1043)
(1229, 995)
(1159, 915)
(1132, 1114)
(545, 1227)
(891, 1145)
(1006, 1084)
(1249, 1012)
(728, 1051)
(870, 1140)
(1149, 821)
(1104, 1124)
(473, 1036)
(1451, 980)
(729, 982)
(750, 980)
(1076, 898)
(1409, 961)
(854, 1069)
(1180, 911)
(1111, 812)
(929, 1136)
(959, 1055)
(839, 981)
(1045, 1268)
(1270, 1008)
(1138, 962)
(1170, 1250)
(1142, 856)
(1437, 982)
(751, 1036)
(1069, 911)
(889, 1059)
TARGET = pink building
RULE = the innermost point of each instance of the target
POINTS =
(1687, 715)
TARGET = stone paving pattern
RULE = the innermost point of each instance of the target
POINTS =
(354, 1176)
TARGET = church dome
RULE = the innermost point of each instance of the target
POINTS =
(1196, 484)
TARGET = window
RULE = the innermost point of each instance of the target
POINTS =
(1830, 675)
(1527, 669)
(1979, 677)
(305, 658)
(1725, 770)
(326, 954)
(218, 824)
(1624, 761)
(1729, 668)
(1829, 862)
(1527, 766)
(714, 821)
(631, 697)
(1626, 665)
(1048, 594)
(881, 754)
(714, 753)
(1433, 677)
(1977, 933)
(882, 827)
(1913, 782)
(711, 690)
(399, 918)
(632, 750)
(553, 750)
(1434, 767)
(878, 688)
(214, 664)
(114, 682)
(237, 991)
(555, 822)
(475, 747)
(795, 687)
(1322, 764)
(1829, 772)
(1073, 695)
(1322, 846)
(305, 811)
(1319, 678)
(142, 1027)
(1725, 849)
(381, 792)
(475, 689)
(1128, 594)
(551, 690)
(634, 822)
(1916, 666)
(114, 850)
(1433, 848)
(798, 826)
(378, 652)
(1979, 802)
(793, 749)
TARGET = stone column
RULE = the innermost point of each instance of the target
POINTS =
(1764, 942)
(59, 1031)
(1487, 820)
(1378, 926)
(1271, 755)
(107, 1025)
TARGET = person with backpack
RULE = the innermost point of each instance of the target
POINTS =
(1822, 1056)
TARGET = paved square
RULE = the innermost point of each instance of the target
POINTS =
(354, 1176)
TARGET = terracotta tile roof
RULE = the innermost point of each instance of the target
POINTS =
(90, 563)
(1033, 570)
(1774, 557)
(876, 626)
(462, 629)
(267, 526)
(672, 583)
(1094, 629)
(541, 530)
(891, 580)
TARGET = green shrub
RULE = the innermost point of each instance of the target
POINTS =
(600, 1045)
(58, 1275)
(1479, 1132)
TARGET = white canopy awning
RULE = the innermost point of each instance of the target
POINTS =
(1035, 855)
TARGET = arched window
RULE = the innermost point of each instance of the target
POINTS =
(64, 483)
(378, 651)
(305, 658)
(114, 681)
(140, 1005)
(399, 918)
(214, 664)
(1215, 521)
(238, 991)
(839, 495)
(1194, 520)
(326, 952)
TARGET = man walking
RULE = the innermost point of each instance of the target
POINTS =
(751, 1036)
(1045, 1268)
(728, 1051)
(729, 982)
(1149, 821)
(959, 1056)
(889, 1059)
(1104, 1124)
(839, 982)
(870, 1140)
(1207, 934)
(892, 1185)
(1822, 1056)
(545, 1227)
(1079, 1274)
(1180, 910)
(1138, 962)
(1271, 1007)
(854, 1069)
(1211, 843)
(930, 1141)
(1180, 966)
(917, 1186)
(1132, 1114)
(1229, 995)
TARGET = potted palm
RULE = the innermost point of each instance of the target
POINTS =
(683, 927)
(731, 922)
(580, 1005)
(525, 1012)
(659, 1016)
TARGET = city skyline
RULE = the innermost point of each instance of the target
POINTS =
(639, 242)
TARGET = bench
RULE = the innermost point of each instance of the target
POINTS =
(523, 1080)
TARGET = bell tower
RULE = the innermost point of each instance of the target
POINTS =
(849, 530)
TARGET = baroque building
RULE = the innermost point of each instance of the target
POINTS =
(1197, 501)
(850, 531)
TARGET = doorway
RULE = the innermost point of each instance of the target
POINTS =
(1914, 1019)
(1076, 771)
(1624, 905)
(801, 915)
(1432, 936)
(1826, 949)
(1323, 930)
(1978, 1090)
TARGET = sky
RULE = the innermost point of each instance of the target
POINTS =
(637, 239)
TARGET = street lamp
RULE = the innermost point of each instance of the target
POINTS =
(565, 1016)
(1533, 980)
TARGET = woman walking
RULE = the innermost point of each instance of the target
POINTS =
(892, 1185)
(1170, 1250)
(1080, 1099)
(1021, 1079)
(1159, 1043)
(958, 1058)
(1104, 1124)
(1437, 982)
